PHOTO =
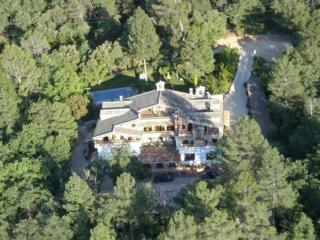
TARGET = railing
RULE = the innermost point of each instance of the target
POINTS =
(194, 147)
(115, 142)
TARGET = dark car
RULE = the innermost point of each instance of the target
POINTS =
(163, 178)
(210, 175)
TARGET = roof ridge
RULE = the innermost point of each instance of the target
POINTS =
(140, 94)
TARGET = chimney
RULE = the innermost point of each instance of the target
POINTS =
(191, 91)
(200, 91)
(208, 94)
(160, 85)
(121, 98)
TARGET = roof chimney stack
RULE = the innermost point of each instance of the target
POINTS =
(121, 98)
(160, 85)
(191, 91)
(200, 91)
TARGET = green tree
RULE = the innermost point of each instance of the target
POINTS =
(102, 61)
(285, 84)
(293, 14)
(256, 223)
(206, 28)
(143, 209)
(22, 184)
(303, 229)
(242, 193)
(77, 196)
(239, 13)
(78, 202)
(242, 147)
(101, 232)
(52, 228)
(141, 37)
(219, 226)
(62, 73)
(9, 111)
(124, 195)
(125, 7)
(172, 17)
(78, 105)
(199, 200)
(275, 191)
(195, 60)
(21, 68)
(180, 227)
(55, 118)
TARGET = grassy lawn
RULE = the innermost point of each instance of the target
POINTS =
(125, 79)
(128, 79)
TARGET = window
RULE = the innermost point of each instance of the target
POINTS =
(172, 165)
(122, 137)
(147, 166)
(147, 129)
(159, 165)
(106, 139)
(160, 128)
(133, 125)
(170, 128)
(189, 157)
(211, 155)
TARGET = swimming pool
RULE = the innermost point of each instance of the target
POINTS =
(112, 94)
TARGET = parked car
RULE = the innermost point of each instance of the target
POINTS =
(209, 175)
(163, 178)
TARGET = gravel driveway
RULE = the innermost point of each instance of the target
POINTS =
(269, 47)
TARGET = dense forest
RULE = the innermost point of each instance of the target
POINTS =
(53, 52)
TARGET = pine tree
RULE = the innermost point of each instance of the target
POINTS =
(219, 226)
(101, 63)
(256, 223)
(180, 227)
(199, 200)
(9, 111)
(102, 232)
(141, 38)
(242, 147)
(77, 196)
(21, 68)
(303, 229)
(285, 85)
(274, 189)
(172, 17)
(242, 193)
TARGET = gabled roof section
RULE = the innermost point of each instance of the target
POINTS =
(106, 126)
(144, 100)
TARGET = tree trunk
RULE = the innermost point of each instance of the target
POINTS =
(145, 69)
(311, 107)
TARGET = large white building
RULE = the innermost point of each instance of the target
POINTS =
(163, 126)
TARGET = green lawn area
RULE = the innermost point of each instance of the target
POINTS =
(125, 79)
(128, 79)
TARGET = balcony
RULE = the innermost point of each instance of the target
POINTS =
(115, 142)
(198, 145)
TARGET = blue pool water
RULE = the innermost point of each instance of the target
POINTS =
(112, 94)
